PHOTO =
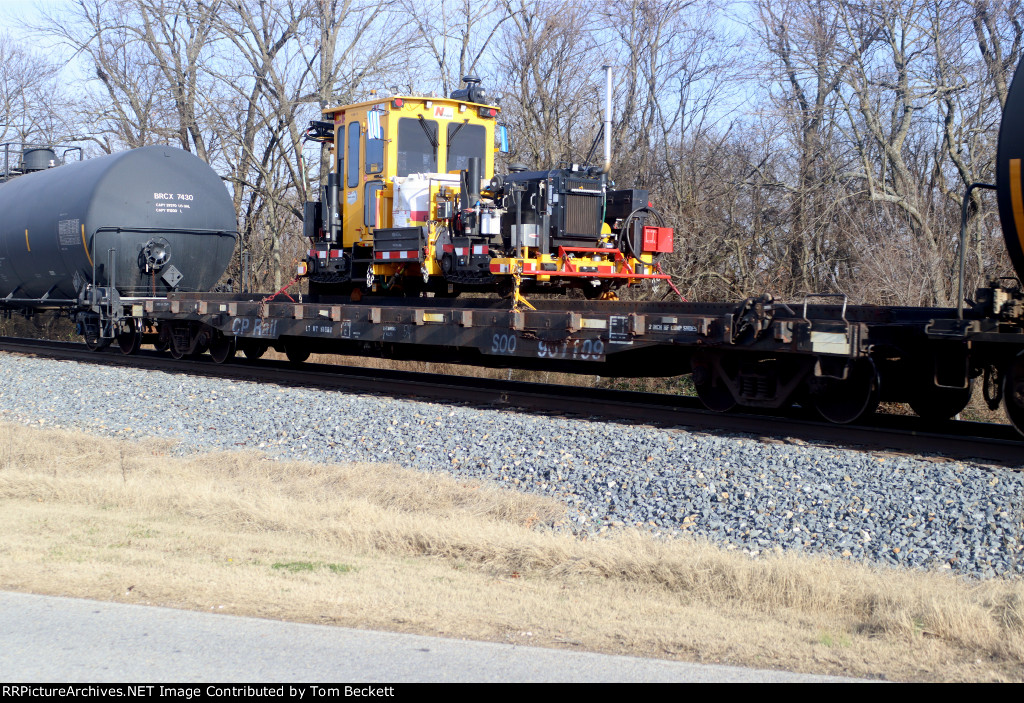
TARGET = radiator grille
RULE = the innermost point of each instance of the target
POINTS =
(582, 215)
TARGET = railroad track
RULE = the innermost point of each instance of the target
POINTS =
(987, 443)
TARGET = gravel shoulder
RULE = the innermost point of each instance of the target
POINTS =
(737, 492)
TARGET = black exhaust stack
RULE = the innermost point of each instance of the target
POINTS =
(469, 194)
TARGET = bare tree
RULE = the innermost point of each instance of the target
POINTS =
(455, 35)
(550, 79)
(999, 28)
(976, 47)
(146, 56)
(807, 65)
(27, 90)
(284, 62)
(356, 46)
(883, 94)
(826, 150)
(176, 33)
(672, 69)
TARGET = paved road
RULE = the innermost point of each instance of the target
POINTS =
(44, 638)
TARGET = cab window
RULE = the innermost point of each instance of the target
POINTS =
(417, 146)
(370, 192)
(353, 155)
(374, 151)
(341, 152)
(464, 141)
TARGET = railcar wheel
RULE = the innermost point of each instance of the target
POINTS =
(846, 401)
(254, 350)
(89, 326)
(938, 404)
(129, 342)
(296, 355)
(711, 387)
(1013, 393)
(176, 351)
(222, 349)
(164, 341)
(95, 342)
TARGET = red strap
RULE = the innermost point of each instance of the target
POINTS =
(669, 280)
(282, 292)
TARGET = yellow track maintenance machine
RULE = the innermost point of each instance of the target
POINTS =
(412, 205)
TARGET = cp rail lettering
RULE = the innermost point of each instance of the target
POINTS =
(254, 327)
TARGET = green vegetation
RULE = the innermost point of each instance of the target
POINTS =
(299, 566)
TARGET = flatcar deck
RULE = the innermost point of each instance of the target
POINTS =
(587, 333)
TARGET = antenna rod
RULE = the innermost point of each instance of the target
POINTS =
(607, 119)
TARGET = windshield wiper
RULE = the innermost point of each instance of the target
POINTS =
(451, 137)
(426, 130)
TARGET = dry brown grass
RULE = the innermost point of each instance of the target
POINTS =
(381, 547)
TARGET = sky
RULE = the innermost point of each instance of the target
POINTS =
(19, 8)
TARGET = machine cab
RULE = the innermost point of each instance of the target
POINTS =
(390, 157)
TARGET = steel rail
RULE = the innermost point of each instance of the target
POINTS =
(984, 442)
